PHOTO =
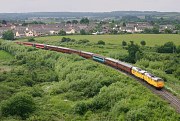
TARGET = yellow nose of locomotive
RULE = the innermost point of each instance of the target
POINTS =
(160, 84)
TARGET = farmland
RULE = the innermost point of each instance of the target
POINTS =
(151, 39)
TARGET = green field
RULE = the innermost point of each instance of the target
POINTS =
(151, 39)
(5, 56)
(4, 60)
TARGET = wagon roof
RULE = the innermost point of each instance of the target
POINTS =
(73, 49)
(125, 64)
(87, 52)
(112, 59)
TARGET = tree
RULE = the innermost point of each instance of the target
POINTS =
(124, 43)
(132, 50)
(8, 35)
(62, 33)
(168, 47)
(74, 22)
(84, 21)
(100, 42)
(143, 43)
(168, 31)
(20, 104)
(68, 22)
(147, 31)
(124, 24)
(155, 30)
(82, 32)
(178, 49)
(24, 24)
(31, 40)
(177, 26)
(4, 22)
(64, 39)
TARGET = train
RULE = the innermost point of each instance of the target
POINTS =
(152, 80)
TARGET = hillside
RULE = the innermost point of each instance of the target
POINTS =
(17, 16)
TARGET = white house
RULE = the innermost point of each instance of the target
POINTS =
(72, 31)
(29, 34)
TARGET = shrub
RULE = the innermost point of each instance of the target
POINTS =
(143, 43)
(8, 35)
(21, 104)
(124, 43)
(168, 47)
(81, 108)
(31, 40)
(64, 39)
(83, 41)
(62, 33)
(100, 42)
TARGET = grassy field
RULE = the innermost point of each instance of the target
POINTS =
(151, 39)
(5, 56)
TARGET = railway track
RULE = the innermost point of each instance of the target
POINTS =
(173, 100)
(163, 93)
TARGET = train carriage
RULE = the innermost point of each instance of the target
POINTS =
(86, 54)
(111, 62)
(124, 66)
(28, 43)
(73, 51)
(41, 46)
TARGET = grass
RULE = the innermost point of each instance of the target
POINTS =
(151, 39)
(5, 56)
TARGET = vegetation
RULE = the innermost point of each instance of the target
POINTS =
(124, 43)
(134, 53)
(143, 43)
(168, 47)
(31, 40)
(83, 32)
(8, 35)
(100, 42)
(20, 104)
(62, 33)
(84, 21)
(68, 87)
(147, 58)
(151, 39)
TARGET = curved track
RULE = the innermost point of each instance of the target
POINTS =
(166, 95)
(163, 93)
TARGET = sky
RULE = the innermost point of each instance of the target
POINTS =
(8, 6)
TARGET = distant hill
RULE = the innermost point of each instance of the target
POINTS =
(15, 16)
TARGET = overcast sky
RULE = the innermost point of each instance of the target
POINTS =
(88, 5)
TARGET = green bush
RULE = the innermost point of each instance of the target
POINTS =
(20, 104)
(31, 40)
(100, 42)
(81, 108)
